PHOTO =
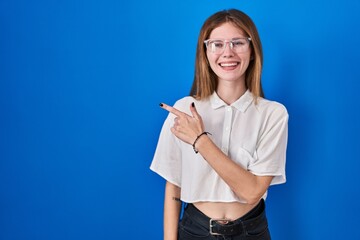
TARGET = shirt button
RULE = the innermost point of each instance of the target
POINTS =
(224, 149)
(228, 109)
(227, 129)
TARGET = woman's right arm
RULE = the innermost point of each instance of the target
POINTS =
(172, 207)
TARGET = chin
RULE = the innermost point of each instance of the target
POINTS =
(233, 78)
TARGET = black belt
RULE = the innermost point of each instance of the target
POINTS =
(224, 227)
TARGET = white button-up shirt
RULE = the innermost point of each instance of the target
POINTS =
(252, 135)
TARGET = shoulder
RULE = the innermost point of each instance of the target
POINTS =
(271, 107)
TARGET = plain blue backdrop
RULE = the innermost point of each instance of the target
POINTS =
(80, 84)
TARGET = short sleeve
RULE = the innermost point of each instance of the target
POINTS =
(270, 155)
(167, 157)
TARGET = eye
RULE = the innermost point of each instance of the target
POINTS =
(239, 42)
(217, 44)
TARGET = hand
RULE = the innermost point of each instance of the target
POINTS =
(186, 127)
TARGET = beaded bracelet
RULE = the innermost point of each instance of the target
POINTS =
(197, 138)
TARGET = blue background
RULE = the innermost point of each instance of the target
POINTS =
(80, 84)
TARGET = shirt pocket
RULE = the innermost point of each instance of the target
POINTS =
(243, 158)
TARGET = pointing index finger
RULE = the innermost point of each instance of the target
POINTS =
(171, 109)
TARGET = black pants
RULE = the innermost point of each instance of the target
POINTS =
(252, 226)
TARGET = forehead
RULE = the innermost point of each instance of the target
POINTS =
(227, 30)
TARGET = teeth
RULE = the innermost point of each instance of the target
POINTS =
(228, 64)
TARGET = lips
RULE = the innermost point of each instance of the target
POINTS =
(229, 65)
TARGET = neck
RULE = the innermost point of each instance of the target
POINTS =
(230, 92)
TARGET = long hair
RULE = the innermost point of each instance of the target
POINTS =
(205, 80)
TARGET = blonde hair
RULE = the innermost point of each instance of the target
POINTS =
(205, 80)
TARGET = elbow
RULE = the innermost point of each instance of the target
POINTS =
(252, 200)
(253, 191)
(252, 197)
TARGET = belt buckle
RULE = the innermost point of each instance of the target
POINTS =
(211, 225)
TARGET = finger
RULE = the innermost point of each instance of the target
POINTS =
(172, 109)
(177, 120)
(194, 111)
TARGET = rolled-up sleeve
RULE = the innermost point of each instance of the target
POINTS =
(167, 157)
(270, 155)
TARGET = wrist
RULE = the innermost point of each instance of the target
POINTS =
(198, 140)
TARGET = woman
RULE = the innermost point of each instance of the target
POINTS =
(222, 147)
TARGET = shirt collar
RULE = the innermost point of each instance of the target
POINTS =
(241, 104)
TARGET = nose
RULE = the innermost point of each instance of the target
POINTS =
(228, 51)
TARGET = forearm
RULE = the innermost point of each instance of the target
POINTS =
(172, 206)
(244, 184)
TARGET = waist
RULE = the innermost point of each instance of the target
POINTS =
(252, 219)
(224, 210)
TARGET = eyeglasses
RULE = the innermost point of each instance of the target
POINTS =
(217, 46)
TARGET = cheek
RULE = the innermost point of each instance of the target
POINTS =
(211, 61)
(246, 56)
(246, 60)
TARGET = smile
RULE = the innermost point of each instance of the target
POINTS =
(228, 64)
(231, 65)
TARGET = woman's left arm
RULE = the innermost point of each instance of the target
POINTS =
(244, 184)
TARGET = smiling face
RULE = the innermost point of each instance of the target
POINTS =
(229, 65)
